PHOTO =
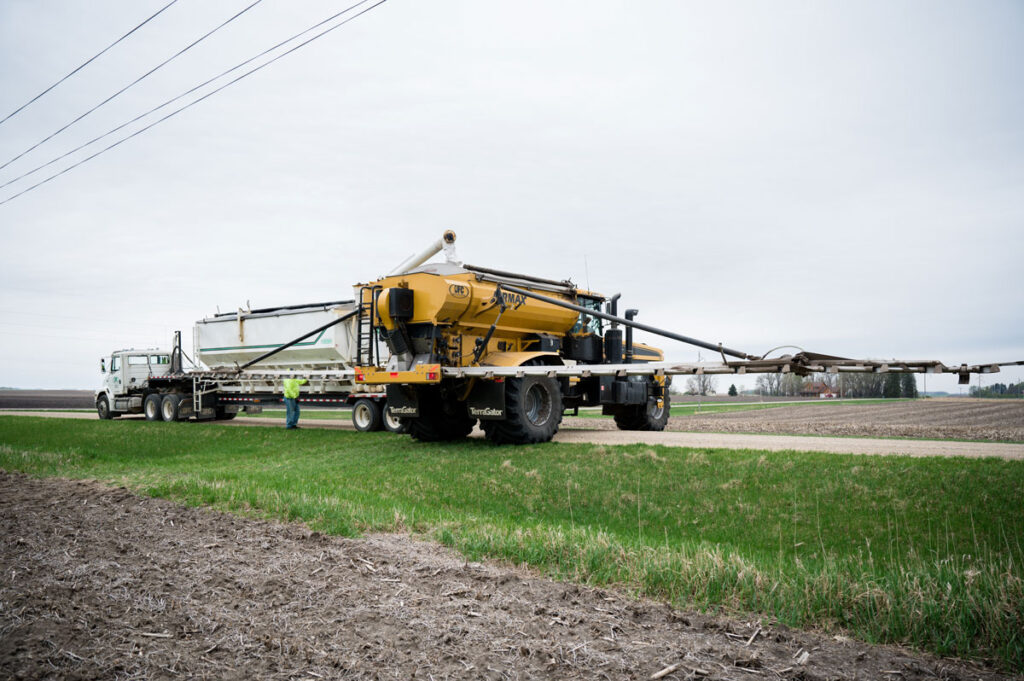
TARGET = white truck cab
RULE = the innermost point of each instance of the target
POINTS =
(126, 375)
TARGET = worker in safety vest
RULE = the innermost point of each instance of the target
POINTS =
(291, 401)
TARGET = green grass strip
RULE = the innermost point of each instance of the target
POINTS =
(923, 552)
(693, 408)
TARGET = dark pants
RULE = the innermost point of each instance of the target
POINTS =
(291, 406)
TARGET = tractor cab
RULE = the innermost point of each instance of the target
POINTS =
(588, 323)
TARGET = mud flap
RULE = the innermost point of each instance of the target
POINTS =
(618, 391)
(207, 407)
(487, 401)
(187, 411)
(403, 402)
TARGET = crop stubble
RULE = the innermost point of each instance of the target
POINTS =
(952, 418)
(99, 583)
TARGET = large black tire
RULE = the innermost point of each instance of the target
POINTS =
(103, 408)
(533, 412)
(392, 424)
(169, 406)
(151, 407)
(440, 420)
(366, 416)
(644, 416)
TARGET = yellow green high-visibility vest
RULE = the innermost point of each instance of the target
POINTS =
(291, 386)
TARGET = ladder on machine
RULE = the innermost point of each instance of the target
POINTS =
(366, 335)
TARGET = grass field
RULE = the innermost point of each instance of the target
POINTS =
(925, 552)
(687, 408)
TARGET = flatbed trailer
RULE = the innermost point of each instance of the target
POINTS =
(213, 395)
(222, 395)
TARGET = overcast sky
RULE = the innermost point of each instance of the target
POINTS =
(843, 177)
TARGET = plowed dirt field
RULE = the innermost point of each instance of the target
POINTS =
(933, 418)
(97, 583)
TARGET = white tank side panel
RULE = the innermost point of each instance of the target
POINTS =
(223, 342)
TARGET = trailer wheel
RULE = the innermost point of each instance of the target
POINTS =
(440, 420)
(644, 416)
(533, 412)
(151, 407)
(366, 415)
(393, 424)
(103, 408)
(169, 406)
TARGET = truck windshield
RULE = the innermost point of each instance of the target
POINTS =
(587, 323)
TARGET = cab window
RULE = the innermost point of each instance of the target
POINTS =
(159, 359)
(588, 323)
(136, 360)
(115, 363)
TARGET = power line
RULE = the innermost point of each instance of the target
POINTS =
(88, 61)
(193, 103)
(133, 83)
(183, 94)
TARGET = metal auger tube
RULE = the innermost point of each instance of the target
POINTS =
(447, 240)
(630, 323)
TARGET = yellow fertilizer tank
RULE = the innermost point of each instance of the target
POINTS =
(463, 306)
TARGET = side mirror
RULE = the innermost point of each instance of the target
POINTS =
(103, 366)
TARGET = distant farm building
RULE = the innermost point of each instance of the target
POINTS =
(816, 389)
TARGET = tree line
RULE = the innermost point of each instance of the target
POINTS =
(848, 385)
(999, 390)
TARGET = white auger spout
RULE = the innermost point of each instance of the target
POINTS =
(445, 243)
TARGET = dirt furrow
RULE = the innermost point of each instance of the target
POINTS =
(97, 583)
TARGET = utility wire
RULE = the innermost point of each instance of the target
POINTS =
(194, 102)
(87, 62)
(133, 83)
(183, 94)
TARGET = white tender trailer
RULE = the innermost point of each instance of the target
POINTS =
(154, 383)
